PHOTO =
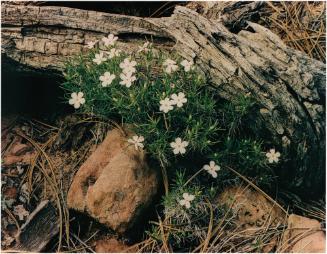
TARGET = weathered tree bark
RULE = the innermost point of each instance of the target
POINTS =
(38, 229)
(287, 84)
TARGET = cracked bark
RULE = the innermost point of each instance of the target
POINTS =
(287, 84)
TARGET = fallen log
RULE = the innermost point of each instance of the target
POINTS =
(288, 86)
(38, 229)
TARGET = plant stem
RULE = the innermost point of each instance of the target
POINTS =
(165, 119)
(192, 177)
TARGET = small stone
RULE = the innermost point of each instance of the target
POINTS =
(252, 208)
(112, 245)
(303, 235)
(253, 212)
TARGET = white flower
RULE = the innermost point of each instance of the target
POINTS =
(212, 168)
(170, 66)
(110, 40)
(127, 79)
(144, 47)
(273, 156)
(77, 99)
(20, 211)
(127, 66)
(137, 141)
(99, 58)
(107, 78)
(91, 44)
(179, 146)
(166, 105)
(188, 65)
(178, 100)
(113, 53)
(186, 201)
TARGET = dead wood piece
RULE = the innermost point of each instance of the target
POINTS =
(39, 228)
(288, 86)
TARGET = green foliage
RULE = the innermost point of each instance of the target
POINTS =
(138, 105)
(214, 129)
(188, 224)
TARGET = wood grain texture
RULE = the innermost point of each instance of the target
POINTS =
(287, 84)
(38, 229)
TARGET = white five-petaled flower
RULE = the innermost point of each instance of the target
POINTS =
(77, 99)
(273, 156)
(20, 211)
(137, 141)
(179, 146)
(166, 105)
(178, 100)
(170, 66)
(188, 65)
(212, 168)
(127, 79)
(144, 47)
(127, 66)
(91, 44)
(110, 40)
(107, 78)
(99, 58)
(113, 53)
(186, 201)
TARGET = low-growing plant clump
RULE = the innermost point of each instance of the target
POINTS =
(182, 124)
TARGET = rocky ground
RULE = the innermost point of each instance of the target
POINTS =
(103, 194)
(74, 185)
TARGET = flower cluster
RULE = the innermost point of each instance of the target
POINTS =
(167, 104)
(128, 70)
(186, 201)
(171, 66)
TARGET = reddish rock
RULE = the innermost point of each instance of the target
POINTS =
(112, 245)
(252, 208)
(303, 235)
(253, 212)
(115, 184)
